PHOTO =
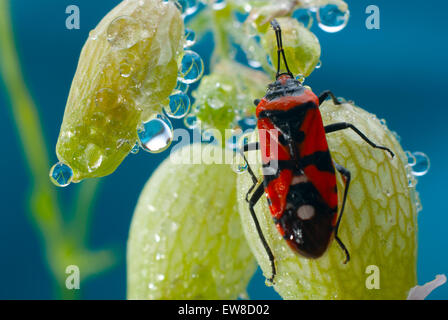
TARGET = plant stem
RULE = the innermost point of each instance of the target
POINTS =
(60, 249)
(220, 19)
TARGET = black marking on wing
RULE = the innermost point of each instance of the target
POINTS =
(281, 165)
(309, 237)
(321, 159)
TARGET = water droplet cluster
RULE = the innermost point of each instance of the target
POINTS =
(418, 165)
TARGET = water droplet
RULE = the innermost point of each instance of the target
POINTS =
(319, 65)
(239, 165)
(412, 182)
(254, 64)
(136, 148)
(61, 174)
(396, 135)
(187, 7)
(219, 4)
(422, 164)
(215, 103)
(106, 99)
(181, 87)
(151, 286)
(160, 277)
(123, 32)
(179, 105)
(304, 16)
(125, 69)
(156, 135)
(268, 283)
(94, 157)
(331, 18)
(93, 35)
(191, 121)
(192, 67)
(300, 78)
(190, 38)
(243, 296)
(418, 206)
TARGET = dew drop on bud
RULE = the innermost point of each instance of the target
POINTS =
(106, 99)
(190, 38)
(254, 64)
(123, 32)
(192, 67)
(61, 174)
(156, 134)
(422, 164)
(136, 148)
(300, 78)
(331, 18)
(178, 106)
(125, 69)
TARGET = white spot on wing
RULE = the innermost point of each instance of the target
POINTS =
(306, 212)
(298, 179)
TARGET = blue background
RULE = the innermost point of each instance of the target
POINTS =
(398, 73)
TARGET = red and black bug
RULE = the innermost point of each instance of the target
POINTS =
(301, 190)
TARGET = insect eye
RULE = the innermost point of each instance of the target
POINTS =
(256, 102)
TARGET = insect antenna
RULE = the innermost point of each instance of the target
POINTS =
(280, 50)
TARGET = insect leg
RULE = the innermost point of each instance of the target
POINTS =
(347, 179)
(324, 95)
(345, 125)
(250, 147)
(253, 200)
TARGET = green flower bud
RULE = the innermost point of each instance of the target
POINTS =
(227, 94)
(379, 225)
(186, 240)
(302, 48)
(127, 70)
